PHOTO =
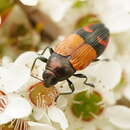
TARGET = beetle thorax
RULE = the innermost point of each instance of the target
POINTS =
(60, 66)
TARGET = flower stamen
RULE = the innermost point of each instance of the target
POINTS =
(3, 101)
(92, 114)
(100, 103)
(16, 124)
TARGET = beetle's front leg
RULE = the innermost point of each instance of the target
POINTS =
(38, 58)
(41, 59)
(50, 50)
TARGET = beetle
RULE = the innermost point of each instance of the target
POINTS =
(74, 53)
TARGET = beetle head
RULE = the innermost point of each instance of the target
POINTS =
(49, 78)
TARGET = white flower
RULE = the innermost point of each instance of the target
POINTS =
(12, 78)
(14, 108)
(57, 9)
(119, 116)
(29, 2)
(113, 116)
(107, 74)
(114, 13)
(52, 113)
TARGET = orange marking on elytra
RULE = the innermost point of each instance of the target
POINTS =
(86, 28)
(102, 42)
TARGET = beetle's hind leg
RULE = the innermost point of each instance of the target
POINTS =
(86, 78)
(105, 59)
(71, 86)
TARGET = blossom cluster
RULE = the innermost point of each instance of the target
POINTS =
(26, 104)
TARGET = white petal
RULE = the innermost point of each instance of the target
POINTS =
(108, 95)
(114, 13)
(126, 92)
(62, 102)
(13, 77)
(17, 107)
(26, 58)
(111, 50)
(38, 113)
(6, 60)
(104, 124)
(56, 10)
(109, 73)
(58, 116)
(4, 118)
(119, 116)
(40, 126)
(41, 116)
(29, 2)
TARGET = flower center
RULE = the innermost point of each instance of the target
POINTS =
(41, 96)
(87, 106)
(17, 124)
(3, 101)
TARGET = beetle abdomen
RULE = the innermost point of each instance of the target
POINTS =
(96, 35)
(69, 45)
(82, 57)
(85, 45)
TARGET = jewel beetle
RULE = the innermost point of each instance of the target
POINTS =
(74, 53)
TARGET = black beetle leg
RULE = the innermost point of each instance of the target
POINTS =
(36, 77)
(50, 50)
(41, 59)
(85, 82)
(71, 86)
(44, 50)
(106, 59)
(96, 60)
